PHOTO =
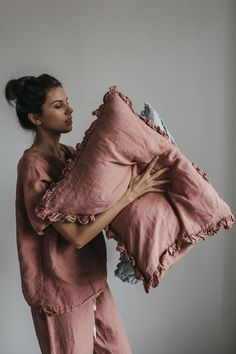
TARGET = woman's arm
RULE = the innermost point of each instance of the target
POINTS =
(80, 234)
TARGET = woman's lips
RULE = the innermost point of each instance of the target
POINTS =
(69, 121)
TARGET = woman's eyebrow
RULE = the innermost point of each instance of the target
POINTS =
(57, 101)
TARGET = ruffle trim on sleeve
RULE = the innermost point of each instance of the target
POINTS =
(182, 242)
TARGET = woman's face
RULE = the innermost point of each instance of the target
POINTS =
(56, 115)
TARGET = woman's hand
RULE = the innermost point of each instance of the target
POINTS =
(146, 182)
(79, 235)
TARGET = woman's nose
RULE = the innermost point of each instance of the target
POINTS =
(70, 109)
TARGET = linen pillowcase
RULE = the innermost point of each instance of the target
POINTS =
(124, 270)
(156, 229)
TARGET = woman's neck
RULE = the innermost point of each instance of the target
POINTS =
(54, 151)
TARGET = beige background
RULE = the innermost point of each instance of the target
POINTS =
(179, 55)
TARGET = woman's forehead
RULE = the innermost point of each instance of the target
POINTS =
(57, 93)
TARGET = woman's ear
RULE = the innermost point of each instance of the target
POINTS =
(34, 118)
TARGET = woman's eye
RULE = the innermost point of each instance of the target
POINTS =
(61, 105)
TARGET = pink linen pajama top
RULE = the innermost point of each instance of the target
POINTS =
(55, 276)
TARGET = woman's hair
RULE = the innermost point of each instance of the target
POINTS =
(27, 94)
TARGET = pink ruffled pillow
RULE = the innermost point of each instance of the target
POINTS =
(155, 230)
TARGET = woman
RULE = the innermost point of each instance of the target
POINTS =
(62, 264)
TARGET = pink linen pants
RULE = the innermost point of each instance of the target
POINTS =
(94, 327)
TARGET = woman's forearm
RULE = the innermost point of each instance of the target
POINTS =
(88, 231)
(80, 234)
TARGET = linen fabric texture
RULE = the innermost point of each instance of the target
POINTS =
(55, 276)
(124, 270)
(72, 332)
(156, 229)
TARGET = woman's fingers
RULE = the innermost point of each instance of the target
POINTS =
(151, 164)
(157, 190)
(160, 171)
(134, 170)
(161, 181)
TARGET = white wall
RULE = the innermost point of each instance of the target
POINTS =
(178, 55)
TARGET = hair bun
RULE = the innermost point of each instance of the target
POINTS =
(15, 87)
(28, 94)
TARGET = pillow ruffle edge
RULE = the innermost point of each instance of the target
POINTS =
(43, 211)
(114, 90)
(181, 242)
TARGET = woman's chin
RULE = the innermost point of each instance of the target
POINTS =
(66, 130)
